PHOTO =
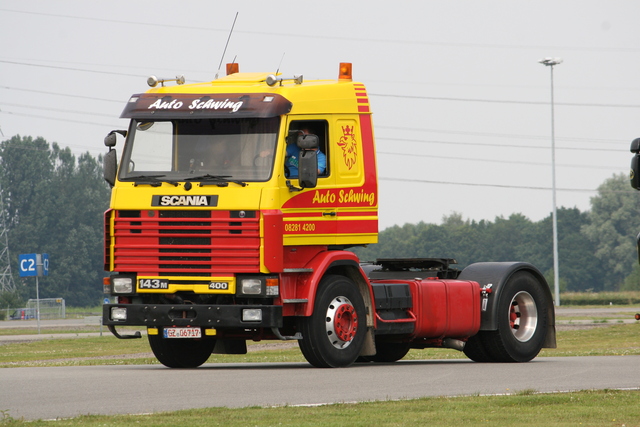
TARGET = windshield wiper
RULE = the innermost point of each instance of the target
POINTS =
(154, 181)
(219, 180)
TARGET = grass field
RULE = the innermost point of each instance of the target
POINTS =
(527, 408)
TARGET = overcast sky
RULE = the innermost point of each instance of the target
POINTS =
(461, 105)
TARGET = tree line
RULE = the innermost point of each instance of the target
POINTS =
(54, 203)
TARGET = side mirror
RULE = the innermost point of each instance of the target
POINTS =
(308, 162)
(308, 168)
(110, 161)
(110, 167)
(308, 142)
(110, 140)
(634, 174)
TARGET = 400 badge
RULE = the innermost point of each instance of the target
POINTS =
(219, 286)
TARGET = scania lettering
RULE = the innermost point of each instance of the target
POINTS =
(234, 207)
(184, 201)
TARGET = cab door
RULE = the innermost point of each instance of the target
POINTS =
(310, 214)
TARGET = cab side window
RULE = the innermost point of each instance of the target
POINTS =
(299, 128)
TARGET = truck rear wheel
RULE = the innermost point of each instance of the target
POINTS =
(522, 321)
(333, 336)
(387, 352)
(181, 352)
(474, 349)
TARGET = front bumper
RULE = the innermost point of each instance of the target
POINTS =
(208, 316)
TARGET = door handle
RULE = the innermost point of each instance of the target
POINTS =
(329, 214)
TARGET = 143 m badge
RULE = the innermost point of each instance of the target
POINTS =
(153, 284)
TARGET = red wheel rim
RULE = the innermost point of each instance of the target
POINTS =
(341, 322)
(345, 322)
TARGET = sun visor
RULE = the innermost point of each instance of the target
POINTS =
(184, 106)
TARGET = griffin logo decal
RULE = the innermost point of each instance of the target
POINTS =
(349, 147)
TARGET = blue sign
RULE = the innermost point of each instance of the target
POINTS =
(28, 265)
(45, 265)
(33, 265)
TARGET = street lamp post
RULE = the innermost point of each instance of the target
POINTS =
(550, 62)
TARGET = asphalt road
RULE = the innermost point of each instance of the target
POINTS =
(61, 392)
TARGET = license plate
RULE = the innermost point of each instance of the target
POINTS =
(182, 333)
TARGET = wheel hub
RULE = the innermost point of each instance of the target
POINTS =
(523, 316)
(341, 322)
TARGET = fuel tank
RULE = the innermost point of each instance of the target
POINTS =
(429, 308)
(445, 308)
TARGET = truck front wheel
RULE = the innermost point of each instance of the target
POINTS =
(181, 352)
(333, 336)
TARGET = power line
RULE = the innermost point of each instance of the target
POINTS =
(93, 98)
(501, 135)
(480, 144)
(57, 67)
(470, 184)
(35, 116)
(421, 141)
(501, 101)
(431, 98)
(341, 38)
(57, 110)
(431, 156)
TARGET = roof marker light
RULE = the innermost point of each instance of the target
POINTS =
(345, 71)
(233, 68)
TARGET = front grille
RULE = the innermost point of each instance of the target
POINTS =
(186, 243)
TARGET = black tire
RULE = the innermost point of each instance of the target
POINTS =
(522, 320)
(474, 349)
(181, 352)
(333, 336)
(388, 352)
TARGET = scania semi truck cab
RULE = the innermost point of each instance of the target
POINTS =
(233, 207)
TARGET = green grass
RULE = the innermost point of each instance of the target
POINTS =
(72, 351)
(48, 330)
(79, 312)
(586, 408)
(599, 298)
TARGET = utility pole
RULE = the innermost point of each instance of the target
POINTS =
(551, 62)
(6, 278)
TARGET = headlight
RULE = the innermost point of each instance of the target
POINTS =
(252, 315)
(118, 313)
(122, 285)
(251, 286)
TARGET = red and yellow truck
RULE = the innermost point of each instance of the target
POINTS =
(233, 208)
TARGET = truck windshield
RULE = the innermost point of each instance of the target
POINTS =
(237, 148)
